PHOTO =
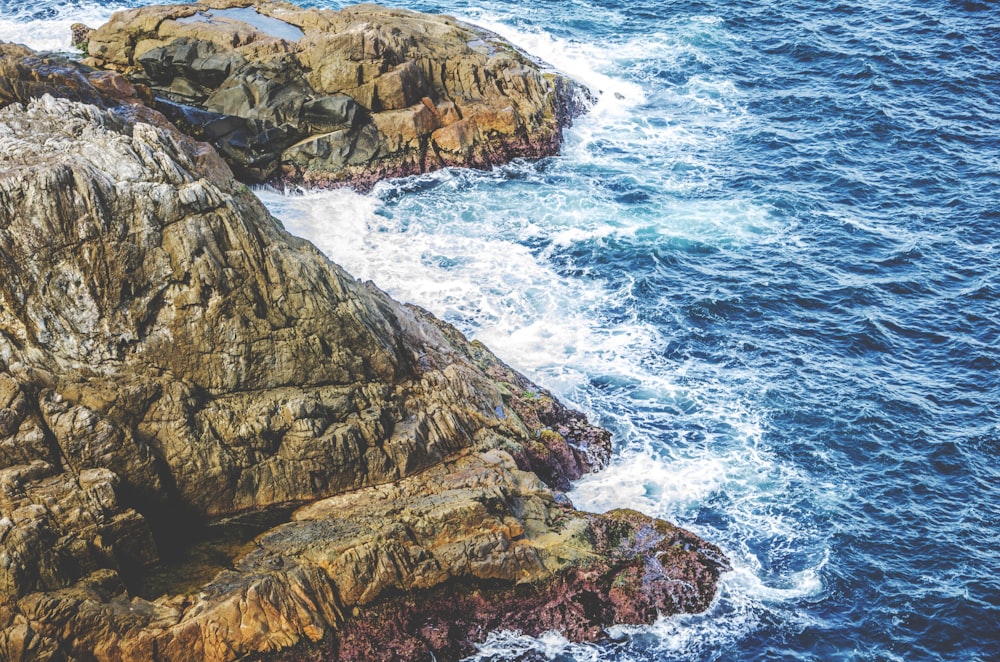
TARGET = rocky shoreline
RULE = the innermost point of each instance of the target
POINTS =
(171, 360)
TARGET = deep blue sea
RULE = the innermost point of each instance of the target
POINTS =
(769, 261)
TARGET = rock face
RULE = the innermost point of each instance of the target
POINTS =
(320, 97)
(171, 360)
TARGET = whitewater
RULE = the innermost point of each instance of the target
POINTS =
(767, 261)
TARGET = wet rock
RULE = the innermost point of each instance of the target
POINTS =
(643, 569)
(350, 97)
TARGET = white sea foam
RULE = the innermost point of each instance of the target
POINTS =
(52, 32)
(580, 60)
(506, 645)
(623, 113)
(642, 481)
(473, 271)
(796, 585)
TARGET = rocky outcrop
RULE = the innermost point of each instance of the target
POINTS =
(173, 363)
(321, 97)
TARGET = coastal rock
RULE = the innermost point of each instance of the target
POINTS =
(173, 364)
(25, 75)
(321, 97)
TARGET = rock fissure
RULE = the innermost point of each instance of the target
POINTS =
(59, 453)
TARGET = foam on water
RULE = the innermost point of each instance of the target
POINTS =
(506, 645)
(47, 27)
(470, 271)
(635, 116)
(581, 60)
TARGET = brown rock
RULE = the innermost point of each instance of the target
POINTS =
(177, 372)
(259, 82)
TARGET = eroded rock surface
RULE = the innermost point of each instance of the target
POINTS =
(319, 97)
(170, 356)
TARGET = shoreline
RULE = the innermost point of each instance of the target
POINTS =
(479, 455)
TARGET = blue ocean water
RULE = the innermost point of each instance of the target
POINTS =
(768, 262)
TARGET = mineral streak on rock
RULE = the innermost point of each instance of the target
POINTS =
(170, 356)
(323, 97)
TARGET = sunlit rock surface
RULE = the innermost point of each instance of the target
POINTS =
(173, 363)
(321, 97)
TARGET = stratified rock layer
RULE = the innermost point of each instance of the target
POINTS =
(170, 356)
(320, 97)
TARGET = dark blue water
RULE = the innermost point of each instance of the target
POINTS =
(768, 261)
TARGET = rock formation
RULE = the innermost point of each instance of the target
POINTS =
(173, 364)
(320, 97)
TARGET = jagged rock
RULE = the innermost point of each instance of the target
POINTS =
(170, 357)
(24, 75)
(320, 97)
(633, 569)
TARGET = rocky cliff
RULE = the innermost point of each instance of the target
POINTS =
(320, 97)
(214, 443)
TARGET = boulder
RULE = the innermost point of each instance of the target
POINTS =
(321, 97)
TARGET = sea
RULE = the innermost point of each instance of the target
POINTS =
(768, 260)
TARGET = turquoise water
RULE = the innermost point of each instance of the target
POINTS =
(767, 261)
